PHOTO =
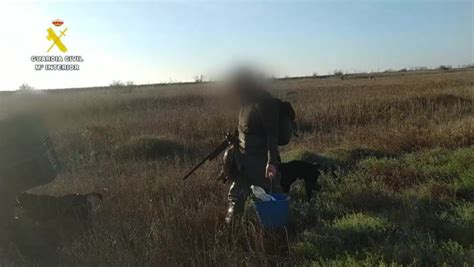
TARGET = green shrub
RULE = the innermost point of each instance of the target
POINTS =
(458, 224)
(305, 249)
(358, 230)
(443, 165)
(309, 215)
(417, 248)
(464, 186)
(373, 198)
(395, 174)
(465, 212)
(436, 193)
(360, 223)
(352, 233)
(436, 166)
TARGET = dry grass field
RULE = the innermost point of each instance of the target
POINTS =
(401, 145)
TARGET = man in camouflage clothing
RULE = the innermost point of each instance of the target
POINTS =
(256, 158)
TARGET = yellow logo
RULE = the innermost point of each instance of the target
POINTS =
(57, 40)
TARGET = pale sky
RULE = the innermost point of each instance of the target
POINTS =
(157, 41)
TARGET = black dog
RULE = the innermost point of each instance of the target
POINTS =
(298, 169)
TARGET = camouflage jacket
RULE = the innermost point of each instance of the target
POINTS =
(258, 127)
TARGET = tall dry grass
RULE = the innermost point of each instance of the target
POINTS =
(150, 216)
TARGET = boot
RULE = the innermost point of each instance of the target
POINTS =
(229, 218)
(235, 210)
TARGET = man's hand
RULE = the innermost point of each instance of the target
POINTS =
(270, 171)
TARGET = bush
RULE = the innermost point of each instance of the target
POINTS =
(338, 73)
(117, 84)
(445, 67)
(458, 223)
(358, 230)
(360, 223)
(412, 170)
(392, 174)
(25, 87)
(422, 249)
(350, 234)
(314, 214)
(363, 198)
(199, 79)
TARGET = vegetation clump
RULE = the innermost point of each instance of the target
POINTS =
(405, 210)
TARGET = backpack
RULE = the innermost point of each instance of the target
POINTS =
(287, 122)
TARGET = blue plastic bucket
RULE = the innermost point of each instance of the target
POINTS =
(273, 214)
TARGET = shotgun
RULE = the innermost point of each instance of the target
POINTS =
(230, 139)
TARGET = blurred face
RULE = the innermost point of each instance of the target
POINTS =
(241, 89)
(245, 88)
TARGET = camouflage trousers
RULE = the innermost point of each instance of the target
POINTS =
(250, 171)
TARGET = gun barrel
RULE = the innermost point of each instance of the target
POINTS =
(209, 157)
(194, 169)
